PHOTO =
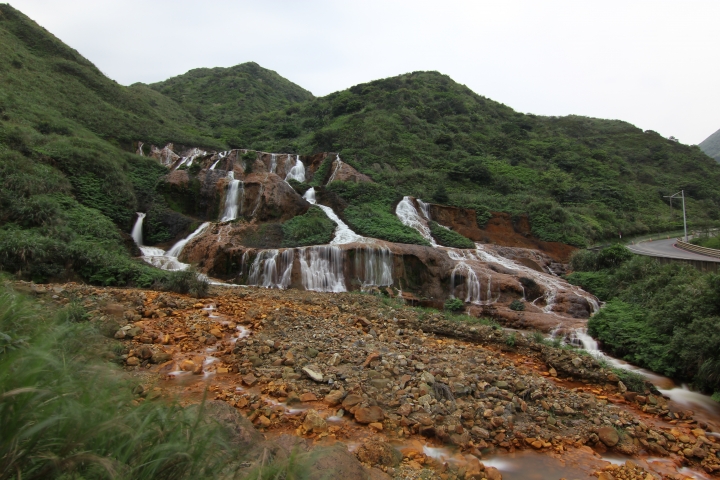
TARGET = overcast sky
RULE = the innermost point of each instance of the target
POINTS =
(652, 63)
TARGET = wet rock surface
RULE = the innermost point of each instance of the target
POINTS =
(386, 372)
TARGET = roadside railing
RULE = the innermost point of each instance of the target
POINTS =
(712, 252)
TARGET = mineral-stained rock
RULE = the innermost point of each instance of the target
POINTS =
(608, 436)
(376, 452)
(314, 422)
(369, 414)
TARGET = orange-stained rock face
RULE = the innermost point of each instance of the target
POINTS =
(266, 196)
(499, 230)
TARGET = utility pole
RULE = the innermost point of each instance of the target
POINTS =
(682, 195)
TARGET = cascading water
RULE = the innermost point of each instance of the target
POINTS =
(337, 165)
(552, 286)
(425, 209)
(309, 195)
(297, 172)
(231, 199)
(409, 216)
(273, 162)
(343, 234)
(472, 283)
(322, 268)
(177, 249)
(137, 229)
(374, 266)
(272, 269)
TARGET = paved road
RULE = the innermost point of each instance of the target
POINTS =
(667, 248)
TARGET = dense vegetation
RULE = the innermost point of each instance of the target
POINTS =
(580, 179)
(370, 212)
(228, 97)
(663, 317)
(449, 238)
(67, 414)
(68, 184)
(711, 146)
(710, 240)
(313, 228)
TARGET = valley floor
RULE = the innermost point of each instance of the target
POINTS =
(456, 399)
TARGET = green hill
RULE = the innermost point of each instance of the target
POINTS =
(711, 146)
(228, 97)
(580, 179)
(68, 182)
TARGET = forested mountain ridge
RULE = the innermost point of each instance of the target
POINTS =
(69, 185)
(227, 97)
(580, 179)
(711, 146)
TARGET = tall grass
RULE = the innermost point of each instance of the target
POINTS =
(65, 414)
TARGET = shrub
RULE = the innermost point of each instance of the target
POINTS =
(185, 281)
(449, 238)
(312, 228)
(66, 414)
(517, 305)
(454, 304)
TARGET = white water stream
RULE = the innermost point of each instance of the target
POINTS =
(322, 268)
(296, 172)
(272, 269)
(137, 229)
(231, 199)
(374, 266)
(343, 233)
(177, 249)
(337, 166)
(409, 216)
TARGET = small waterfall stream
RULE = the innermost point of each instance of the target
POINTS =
(273, 162)
(337, 166)
(297, 172)
(272, 269)
(343, 233)
(374, 266)
(177, 249)
(231, 199)
(137, 229)
(409, 216)
(322, 268)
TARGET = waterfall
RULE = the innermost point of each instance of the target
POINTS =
(259, 198)
(177, 249)
(297, 172)
(409, 216)
(322, 268)
(374, 266)
(140, 149)
(309, 195)
(273, 162)
(266, 271)
(231, 199)
(552, 285)
(472, 283)
(425, 209)
(343, 234)
(194, 153)
(338, 164)
(137, 229)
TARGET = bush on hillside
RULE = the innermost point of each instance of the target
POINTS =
(312, 228)
(449, 238)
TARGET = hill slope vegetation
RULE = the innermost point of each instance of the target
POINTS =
(580, 179)
(69, 185)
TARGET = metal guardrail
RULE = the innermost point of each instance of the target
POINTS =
(712, 252)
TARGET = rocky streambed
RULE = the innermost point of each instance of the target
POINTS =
(409, 392)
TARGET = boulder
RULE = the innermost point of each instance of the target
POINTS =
(609, 436)
(377, 452)
(367, 415)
